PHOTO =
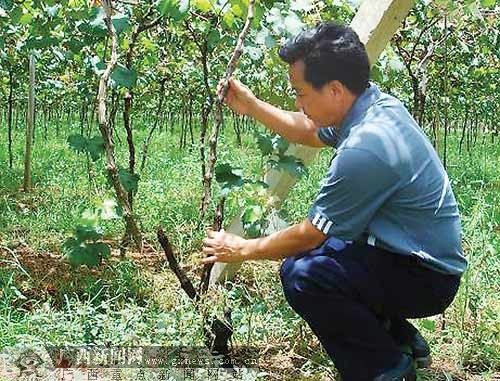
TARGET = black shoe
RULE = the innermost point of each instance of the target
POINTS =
(420, 351)
(403, 371)
(410, 340)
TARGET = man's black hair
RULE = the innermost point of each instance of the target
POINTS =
(330, 52)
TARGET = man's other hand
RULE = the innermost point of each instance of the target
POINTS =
(239, 98)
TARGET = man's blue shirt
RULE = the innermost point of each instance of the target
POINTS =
(386, 182)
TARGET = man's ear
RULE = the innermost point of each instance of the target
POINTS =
(336, 88)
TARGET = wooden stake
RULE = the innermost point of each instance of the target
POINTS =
(30, 125)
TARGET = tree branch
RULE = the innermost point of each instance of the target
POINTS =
(231, 66)
(106, 133)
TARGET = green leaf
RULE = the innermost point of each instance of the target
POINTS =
(102, 249)
(238, 7)
(40, 42)
(26, 19)
(78, 142)
(259, 13)
(119, 210)
(87, 233)
(270, 42)
(74, 254)
(89, 217)
(124, 77)
(97, 65)
(376, 74)
(95, 147)
(6, 4)
(290, 164)
(228, 177)
(213, 38)
(488, 3)
(265, 38)
(120, 22)
(253, 221)
(177, 9)
(91, 256)
(253, 214)
(228, 19)
(82, 254)
(128, 180)
(97, 25)
(75, 45)
(429, 325)
(70, 243)
(202, 5)
(15, 15)
(280, 144)
(264, 143)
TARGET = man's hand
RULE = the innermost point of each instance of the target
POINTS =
(296, 239)
(239, 98)
(223, 247)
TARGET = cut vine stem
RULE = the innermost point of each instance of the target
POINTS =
(218, 335)
(231, 66)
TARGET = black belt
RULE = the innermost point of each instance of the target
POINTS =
(371, 240)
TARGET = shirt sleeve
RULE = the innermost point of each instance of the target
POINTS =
(328, 135)
(356, 185)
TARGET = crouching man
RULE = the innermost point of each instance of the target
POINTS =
(381, 243)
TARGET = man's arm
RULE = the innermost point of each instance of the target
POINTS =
(293, 126)
(296, 239)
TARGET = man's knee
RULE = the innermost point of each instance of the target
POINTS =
(294, 278)
(288, 279)
(308, 277)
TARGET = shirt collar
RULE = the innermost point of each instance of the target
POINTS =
(359, 107)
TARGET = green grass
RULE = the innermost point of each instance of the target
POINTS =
(137, 301)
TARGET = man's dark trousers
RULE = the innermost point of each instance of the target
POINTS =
(345, 293)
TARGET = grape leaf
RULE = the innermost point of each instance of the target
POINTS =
(290, 164)
(128, 180)
(177, 9)
(6, 4)
(253, 221)
(78, 142)
(228, 177)
(87, 233)
(120, 22)
(264, 143)
(95, 147)
(122, 76)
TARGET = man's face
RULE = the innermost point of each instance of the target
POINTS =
(319, 105)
